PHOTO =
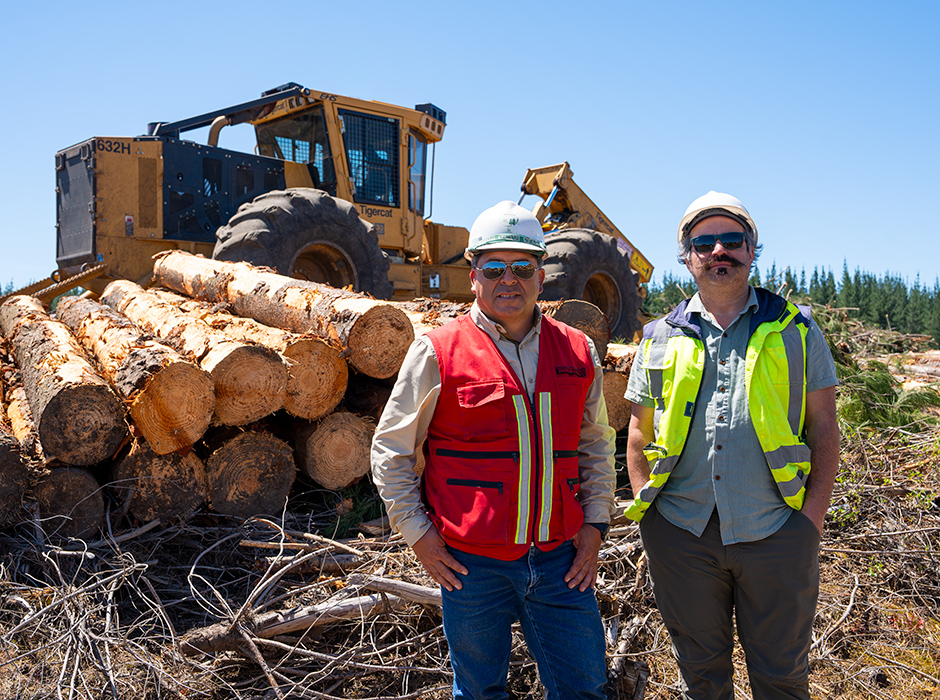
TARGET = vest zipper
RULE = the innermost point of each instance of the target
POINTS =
(476, 482)
(478, 454)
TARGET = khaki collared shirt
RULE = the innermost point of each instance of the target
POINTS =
(404, 426)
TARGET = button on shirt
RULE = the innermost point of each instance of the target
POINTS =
(723, 465)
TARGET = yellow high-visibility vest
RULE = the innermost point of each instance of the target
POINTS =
(775, 376)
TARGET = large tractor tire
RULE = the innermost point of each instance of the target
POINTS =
(307, 234)
(588, 265)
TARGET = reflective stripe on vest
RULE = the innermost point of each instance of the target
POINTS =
(548, 460)
(525, 459)
(780, 389)
(674, 359)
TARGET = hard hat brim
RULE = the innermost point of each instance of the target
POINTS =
(508, 245)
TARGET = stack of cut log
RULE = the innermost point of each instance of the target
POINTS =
(212, 388)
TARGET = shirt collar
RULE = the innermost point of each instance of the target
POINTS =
(496, 331)
(697, 307)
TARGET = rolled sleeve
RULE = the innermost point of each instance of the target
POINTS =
(820, 367)
(638, 388)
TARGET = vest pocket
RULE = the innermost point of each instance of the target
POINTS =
(475, 507)
(659, 368)
(572, 515)
(483, 404)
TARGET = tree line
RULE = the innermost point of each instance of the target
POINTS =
(885, 301)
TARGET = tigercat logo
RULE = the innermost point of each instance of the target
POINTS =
(369, 212)
(571, 371)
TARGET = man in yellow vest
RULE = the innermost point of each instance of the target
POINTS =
(732, 453)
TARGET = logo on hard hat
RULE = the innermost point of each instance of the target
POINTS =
(507, 226)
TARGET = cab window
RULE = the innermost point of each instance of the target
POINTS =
(302, 139)
(417, 169)
(372, 155)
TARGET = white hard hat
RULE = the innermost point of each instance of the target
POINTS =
(507, 226)
(716, 204)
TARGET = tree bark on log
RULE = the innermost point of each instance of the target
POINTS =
(18, 417)
(617, 365)
(317, 374)
(334, 452)
(171, 399)
(79, 419)
(164, 487)
(14, 477)
(21, 424)
(620, 357)
(250, 474)
(375, 334)
(427, 314)
(70, 503)
(250, 380)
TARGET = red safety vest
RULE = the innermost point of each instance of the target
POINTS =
(502, 474)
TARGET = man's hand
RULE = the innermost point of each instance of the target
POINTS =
(583, 571)
(438, 562)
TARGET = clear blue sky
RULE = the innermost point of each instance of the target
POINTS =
(821, 116)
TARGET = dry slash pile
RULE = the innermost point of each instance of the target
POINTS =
(317, 599)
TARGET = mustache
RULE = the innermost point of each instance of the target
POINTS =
(723, 259)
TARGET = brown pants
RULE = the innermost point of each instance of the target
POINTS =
(768, 588)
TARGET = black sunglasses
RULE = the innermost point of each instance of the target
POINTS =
(495, 269)
(732, 240)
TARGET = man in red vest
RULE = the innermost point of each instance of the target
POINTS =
(517, 492)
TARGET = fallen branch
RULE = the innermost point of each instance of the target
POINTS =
(221, 637)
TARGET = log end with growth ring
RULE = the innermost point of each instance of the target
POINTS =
(618, 408)
(379, 340)
(250, 382)
(335, 451)
(175, 408)
(317, 378)
(249, 475)
(159, 487)
(82, 425)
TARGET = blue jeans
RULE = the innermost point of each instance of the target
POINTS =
(562, 626)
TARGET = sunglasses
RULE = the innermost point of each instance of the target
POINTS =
(495, 269)
(732, 240)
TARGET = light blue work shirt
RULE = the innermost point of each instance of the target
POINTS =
(723, 464)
